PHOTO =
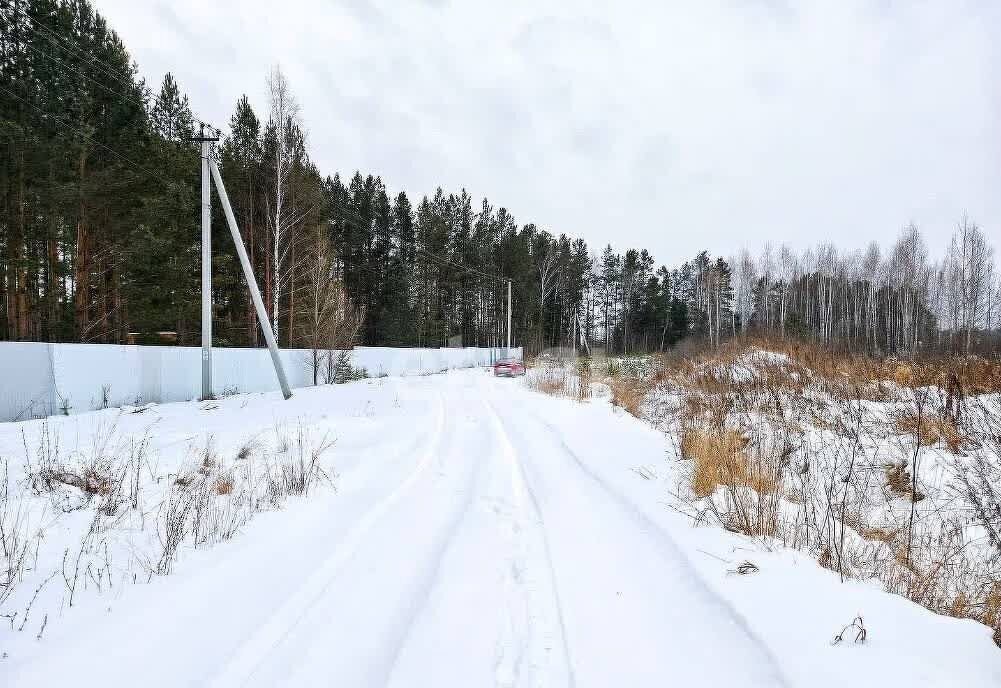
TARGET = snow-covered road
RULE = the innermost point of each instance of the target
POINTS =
(495, 558)
(480, 535)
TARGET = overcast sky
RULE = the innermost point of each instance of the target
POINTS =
(673, 126)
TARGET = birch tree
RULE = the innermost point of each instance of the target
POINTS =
(547, 266)
(289, 144)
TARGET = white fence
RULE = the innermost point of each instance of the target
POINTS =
(39, 379)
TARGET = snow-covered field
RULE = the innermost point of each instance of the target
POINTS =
(459, 531)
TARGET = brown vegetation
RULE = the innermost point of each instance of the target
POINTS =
(89, 480)
(223, 485)
(899, 480)
(628, 394)
(564, 378)
(838, 439)
(718, 458)
(930, 430)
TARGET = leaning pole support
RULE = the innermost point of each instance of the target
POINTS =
(248, 273)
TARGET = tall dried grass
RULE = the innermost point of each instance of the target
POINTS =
(628, 394)
(565, 378)
(814, 447)
(930, 430)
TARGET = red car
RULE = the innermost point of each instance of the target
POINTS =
(508, 367)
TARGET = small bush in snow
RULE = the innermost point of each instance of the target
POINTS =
(343, 371)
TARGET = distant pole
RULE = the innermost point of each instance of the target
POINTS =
(509, 318)
(206, 265)
(248, 273)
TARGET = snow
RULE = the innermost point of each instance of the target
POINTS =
(474, 533)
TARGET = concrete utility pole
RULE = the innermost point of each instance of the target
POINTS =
(509, 318)
(206, 142)
(248, 273)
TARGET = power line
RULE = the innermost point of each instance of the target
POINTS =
(87, 138)
(67, 66)
(113, 72)
(441, 260)
(58, 41)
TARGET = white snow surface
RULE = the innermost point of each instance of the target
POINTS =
(476, 534)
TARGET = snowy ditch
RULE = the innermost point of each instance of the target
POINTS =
(875, 479)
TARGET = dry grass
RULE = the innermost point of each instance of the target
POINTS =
(561, 378)
(879, 534)
(777, 442)
(960, 607)
(966, 375)
(930, 430)
(628, 394)
(223, 485)
(719, 458)
(90, 481)
(900, 481)
(991, 614)
(548, 385)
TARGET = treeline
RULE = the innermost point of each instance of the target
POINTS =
(898, 300)
(100, 238)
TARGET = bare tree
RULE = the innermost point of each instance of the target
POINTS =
(786, 267)
(547, 263)
(329, 322)
(745, 274)
(289, 149)
(971, 266)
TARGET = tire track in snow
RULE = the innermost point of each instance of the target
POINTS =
(253, 652)
(648, 526)
(667, 541)
(526, 499)
(432, 574)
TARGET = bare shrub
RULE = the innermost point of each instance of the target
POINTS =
(900, 481)
(174, 523)
(978, 477)
(15, 539)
